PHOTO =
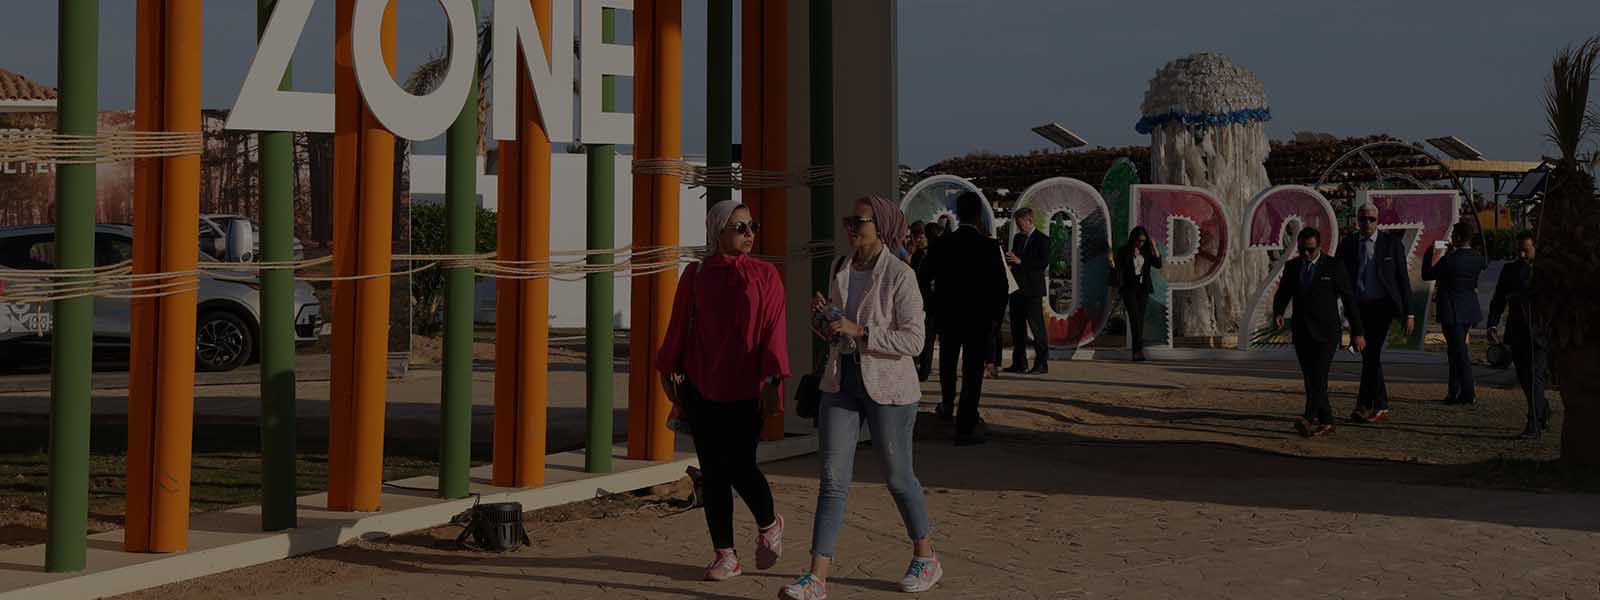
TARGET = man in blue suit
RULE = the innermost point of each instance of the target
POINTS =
(1457, 275)
(1377, 263)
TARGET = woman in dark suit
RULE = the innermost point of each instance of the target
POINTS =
(1133, 263)
(1457, 275)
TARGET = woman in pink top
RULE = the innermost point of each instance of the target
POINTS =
(725, 354)
(876, 329)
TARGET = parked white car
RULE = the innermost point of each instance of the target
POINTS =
(229, 316)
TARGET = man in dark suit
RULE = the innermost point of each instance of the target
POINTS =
(1377, 263)
(1316, 284)
(1029, 259)
(923, 240)
(1457, 291)
(969, 285)
(1528, 342)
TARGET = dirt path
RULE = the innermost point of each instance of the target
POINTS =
(1101, 481)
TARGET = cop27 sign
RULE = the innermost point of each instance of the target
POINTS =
(263, 107)
(1420, 217)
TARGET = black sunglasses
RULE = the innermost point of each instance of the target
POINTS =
(853, 223)
(1367, 219)
(746, 227)
(1307, 249)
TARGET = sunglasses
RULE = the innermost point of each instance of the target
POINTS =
(746, 227)
(1367, 219)
(854, 223)
(1308, 249)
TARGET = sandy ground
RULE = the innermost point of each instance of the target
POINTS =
(1102, 480)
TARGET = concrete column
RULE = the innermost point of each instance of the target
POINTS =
(865, 125)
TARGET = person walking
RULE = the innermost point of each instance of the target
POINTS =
(1457, 273)
(968, 280)
(1316, 284)
(1529, 344)
(870, 380)
(1377, 262)
(723, 363)
(930, 232)
(1030, 260)
(1135, 284)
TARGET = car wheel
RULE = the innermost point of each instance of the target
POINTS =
(222, 341)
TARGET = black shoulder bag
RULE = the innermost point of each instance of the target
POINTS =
(808, 394)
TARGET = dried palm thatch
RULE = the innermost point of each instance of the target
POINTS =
(1566, 284)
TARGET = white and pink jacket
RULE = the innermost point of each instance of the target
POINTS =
(892, 313)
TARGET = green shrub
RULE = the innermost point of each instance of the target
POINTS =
(428, 236)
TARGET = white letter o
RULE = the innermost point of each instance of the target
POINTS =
(409, 116)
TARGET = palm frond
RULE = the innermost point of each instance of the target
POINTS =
(1566, 98)
(428, 75)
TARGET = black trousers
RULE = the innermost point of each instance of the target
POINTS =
(1529, 356)
(1315, 360)
(953, 347)
(1375, 318)
(725, 439)
(1027, 314)
(925, 359)
(1134, 302)
(1461, 387)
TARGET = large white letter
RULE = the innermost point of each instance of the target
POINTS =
(600, 59)
(261, 105)
(551, 75)
(408, 116)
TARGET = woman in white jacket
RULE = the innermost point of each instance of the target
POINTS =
(871, 377)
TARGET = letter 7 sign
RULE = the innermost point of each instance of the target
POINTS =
(1271, 222)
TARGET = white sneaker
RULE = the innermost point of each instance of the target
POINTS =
(724, 567)
(805, 588)
(922, 575)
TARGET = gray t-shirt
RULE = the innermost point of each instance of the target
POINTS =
(859, 280)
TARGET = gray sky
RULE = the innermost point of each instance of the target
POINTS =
(976, 75)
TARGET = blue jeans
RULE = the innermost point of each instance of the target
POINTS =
(839, 418)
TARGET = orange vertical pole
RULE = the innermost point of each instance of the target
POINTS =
(522, 375)
(166, 217)
(658, 107)
(765, 141)
(668, 104)
(363, 211)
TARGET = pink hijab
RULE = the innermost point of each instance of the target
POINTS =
(892, 228)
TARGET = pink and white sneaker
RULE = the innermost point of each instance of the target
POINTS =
(724, 567)
(805, 588)
(922, 575)
(769, 545)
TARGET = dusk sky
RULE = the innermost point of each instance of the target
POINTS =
(977, 75)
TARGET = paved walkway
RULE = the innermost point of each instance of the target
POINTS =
(1101, 481)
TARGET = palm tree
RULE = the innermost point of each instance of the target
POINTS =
(1568, 232)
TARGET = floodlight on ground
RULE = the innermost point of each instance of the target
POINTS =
(1532, 183)
(1060, 136)
(1453, 147)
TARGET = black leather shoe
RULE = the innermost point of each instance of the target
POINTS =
(1015, 369)
(1039, 369)
(1531, 433)
(970, 440)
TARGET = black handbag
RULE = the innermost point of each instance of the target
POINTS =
(808, 393)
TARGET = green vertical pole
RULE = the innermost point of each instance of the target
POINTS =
(719, 93)
(821, 59)
(278, 487)
(77, 53)
(461, 205)
(601, 286)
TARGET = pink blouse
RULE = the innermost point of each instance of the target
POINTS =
(735, 338)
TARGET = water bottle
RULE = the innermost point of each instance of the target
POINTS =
(843, 343)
